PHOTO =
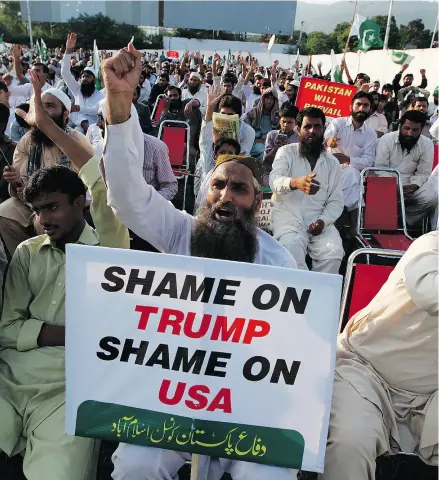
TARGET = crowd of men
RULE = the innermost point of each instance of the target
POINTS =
(83, 165)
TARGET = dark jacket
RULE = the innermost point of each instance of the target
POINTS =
(144, 117)
(397, 87)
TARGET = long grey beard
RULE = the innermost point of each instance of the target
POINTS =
(236, 241)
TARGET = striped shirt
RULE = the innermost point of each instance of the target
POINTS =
(157, 169)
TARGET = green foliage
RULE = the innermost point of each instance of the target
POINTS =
(415, 33)
(319, 43)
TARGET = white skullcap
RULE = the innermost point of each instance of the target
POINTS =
(195, 75)
(102, 107)
(60, 95)
(90, 70)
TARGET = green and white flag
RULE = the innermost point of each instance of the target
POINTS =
(401, 58)
(336, 75)
(37, 48)
(97, 67)
(367, 31)
(3, 47)
(43, 50)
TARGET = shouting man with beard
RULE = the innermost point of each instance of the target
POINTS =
(354, 145)
(303, 214)
(196, 93)
(87, 98)
(34, 151)
(411, 154)
(225, 229)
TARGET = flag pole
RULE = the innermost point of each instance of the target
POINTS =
(29, 25)
(389, 22)
(434, 32)
(195, 463)
(349, 34)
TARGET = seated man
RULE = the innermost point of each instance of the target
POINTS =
(225, 228)
(143, 111)
(308, 197)
(263, 119)
(385, 396)
(227, 105)
(34, 151)
(354, 145)
(411, 154)
(278, 138)
(421, 105)
(32, 326)
(377, 120)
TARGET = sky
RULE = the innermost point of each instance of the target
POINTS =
(329, 13)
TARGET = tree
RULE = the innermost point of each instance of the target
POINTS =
(414, 33)
(394, 37)
(340, 35)
(319, 42)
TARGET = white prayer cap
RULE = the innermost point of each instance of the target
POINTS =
(90, 70)
(195, 75)
(103, 108)
(60, 95)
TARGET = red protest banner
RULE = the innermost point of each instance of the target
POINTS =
(333, 98)
(172, 54)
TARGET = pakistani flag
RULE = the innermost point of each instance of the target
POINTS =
(401, 58)
(43, 50)
(97, 67)
(37, 48)
(368, 33)
(336, 75)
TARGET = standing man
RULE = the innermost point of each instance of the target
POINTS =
(87, 98)
(32, 326)
(304, 212)
(354, 146)
(225, 228)
(411, 154)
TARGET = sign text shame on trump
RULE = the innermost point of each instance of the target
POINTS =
(220, 358)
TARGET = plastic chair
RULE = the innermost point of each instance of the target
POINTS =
(364, 281)
(377, 224)
(176, 135)
(157, 110)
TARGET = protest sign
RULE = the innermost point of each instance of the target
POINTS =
(264, 215)
(218, 358)
(331, 97)
(172, 54)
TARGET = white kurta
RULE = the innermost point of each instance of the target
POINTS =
(385, 392)
(151, 217)
(360, 146)
(294, 211)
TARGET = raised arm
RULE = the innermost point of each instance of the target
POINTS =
(65, 65)
(138, 205)
(16, 51)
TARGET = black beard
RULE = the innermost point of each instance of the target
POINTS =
(87, 89)
(360, 117)
(313, 146)
(39, 138)
(407, 143)
(209, 81)
(175, 105)
(256, 90)
(193, 90)
(373, 108)
(281, 88)
(236, 241)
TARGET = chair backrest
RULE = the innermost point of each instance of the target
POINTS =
(367, 281)
(175, 139)
(381, 204)
(158, 109)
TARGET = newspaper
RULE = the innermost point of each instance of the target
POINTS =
(226, 125)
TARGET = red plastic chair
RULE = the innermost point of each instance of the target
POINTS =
(378, 216)
(363, 281)
(157, 110)
(176, 135)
